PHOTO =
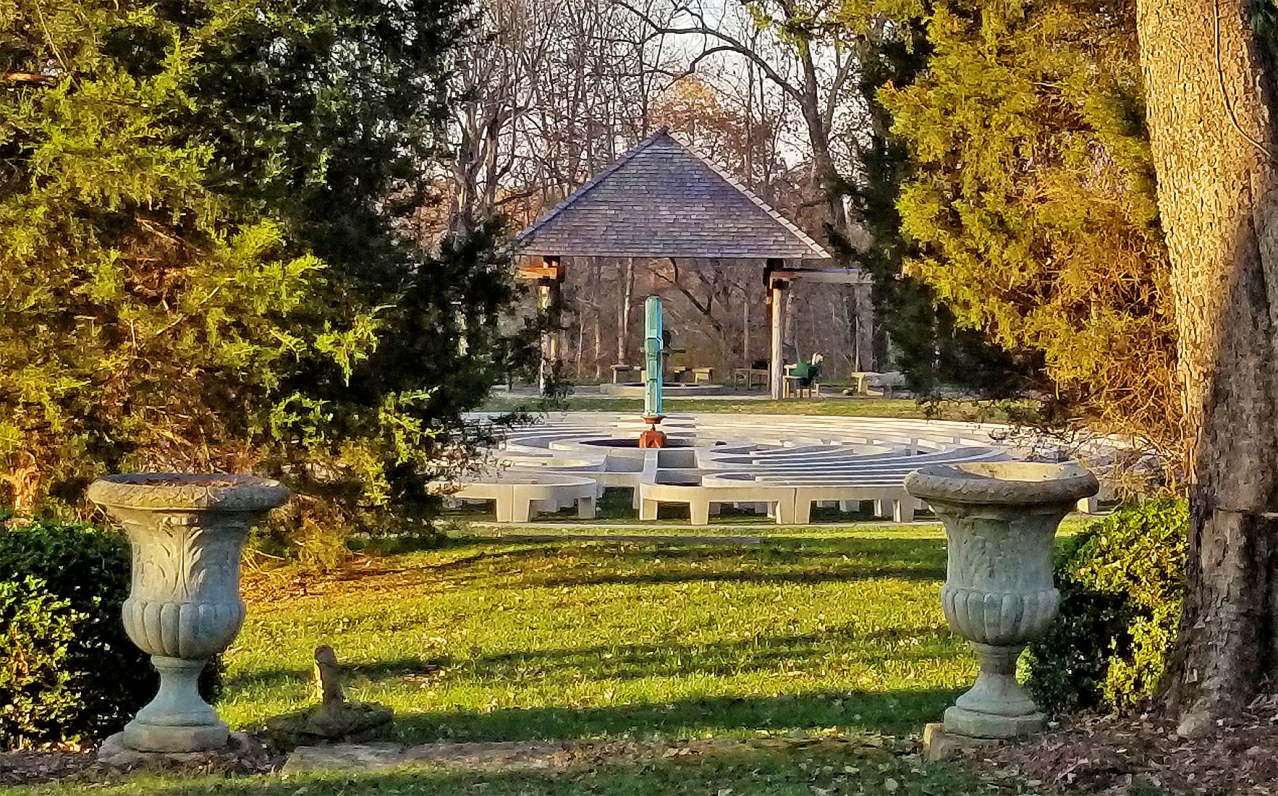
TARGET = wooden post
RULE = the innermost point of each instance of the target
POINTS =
(548, 302)
(776, 361)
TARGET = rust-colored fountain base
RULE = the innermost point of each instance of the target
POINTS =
(652, 438)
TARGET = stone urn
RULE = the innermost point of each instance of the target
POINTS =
(1000, 519)
(186, 532)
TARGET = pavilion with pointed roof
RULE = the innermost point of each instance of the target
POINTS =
(662, 199)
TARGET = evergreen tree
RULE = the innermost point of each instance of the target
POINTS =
(207, 254)
(144, 314)
(925, 344)
(330, 114)
(1031, 199)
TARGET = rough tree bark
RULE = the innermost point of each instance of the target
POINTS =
(1210, 113)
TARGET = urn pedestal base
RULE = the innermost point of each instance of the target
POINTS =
(996, 706)
(178, 719)
(241, 754)
(939, 745)
(970, 724)
(166, 738)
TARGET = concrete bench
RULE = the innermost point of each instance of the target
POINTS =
(698, 498)
(520, 496)
(865, 381)
(889, 501)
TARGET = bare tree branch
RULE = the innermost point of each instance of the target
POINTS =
(730, 43)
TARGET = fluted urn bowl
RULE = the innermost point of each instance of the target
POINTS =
(186, 533)
(1000, 520)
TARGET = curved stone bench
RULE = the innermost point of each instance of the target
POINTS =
(520, 496)
(698, 497)
(880, 479)
(786, 463)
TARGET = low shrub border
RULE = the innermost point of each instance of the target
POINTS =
(1121, 581)
(68, 672)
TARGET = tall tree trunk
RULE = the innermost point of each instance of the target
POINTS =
(581, 347)
(1210, 105)
(598, 348)
(826, 182)
(597, 306)
(790, 338)
(623, 314)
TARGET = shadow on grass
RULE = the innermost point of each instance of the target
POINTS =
(622, 662)
(844, 574)
(568, 562)
(896, 713)
(888, 713)
(769, 563)
(756, 770)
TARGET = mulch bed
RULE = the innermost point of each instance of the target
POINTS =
(32, 767)
(20, 768)
(1109, 754)
(1092, 755)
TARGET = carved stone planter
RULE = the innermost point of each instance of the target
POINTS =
(1000, 519)
(186, 532)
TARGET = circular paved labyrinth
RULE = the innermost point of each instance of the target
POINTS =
(781, 464)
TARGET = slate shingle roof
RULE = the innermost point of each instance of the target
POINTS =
(661, 199)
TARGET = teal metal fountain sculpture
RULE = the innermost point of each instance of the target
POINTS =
(653, 376)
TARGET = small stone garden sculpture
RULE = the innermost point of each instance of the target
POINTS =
(334, 719)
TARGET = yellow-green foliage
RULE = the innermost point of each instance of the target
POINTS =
(1121, 581)
(142, 313)
(1032, 200)
(203, 258)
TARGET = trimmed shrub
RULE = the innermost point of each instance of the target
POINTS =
(1121, 581)
(36, 684)
(68, 671)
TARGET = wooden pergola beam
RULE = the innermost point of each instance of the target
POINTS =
(841, 276)
(776, 305)
(549, 269)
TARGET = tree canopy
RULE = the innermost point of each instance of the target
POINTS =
(1029, 201)
(207, 250)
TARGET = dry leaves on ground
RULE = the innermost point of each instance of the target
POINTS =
(1110, 754)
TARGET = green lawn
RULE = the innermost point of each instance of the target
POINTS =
(835, 407)
(819, 770)
(554, 640)
(827, 654)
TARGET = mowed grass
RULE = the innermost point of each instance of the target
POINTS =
(817, 770)
(564, 640)
(823, 656)
(974, 412)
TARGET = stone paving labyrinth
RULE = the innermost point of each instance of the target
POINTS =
(781, 464)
